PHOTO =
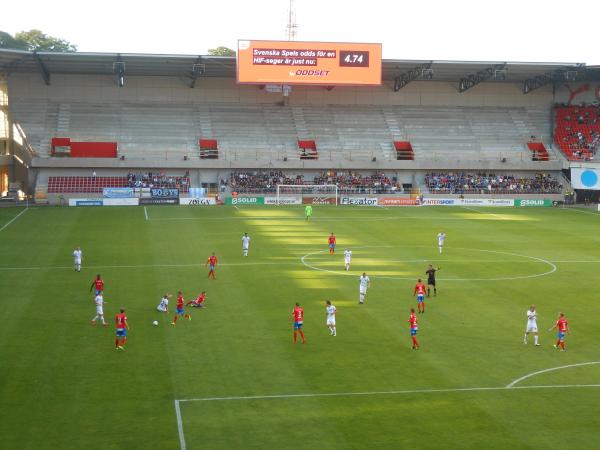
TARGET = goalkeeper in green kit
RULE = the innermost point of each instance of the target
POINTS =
(308, 211)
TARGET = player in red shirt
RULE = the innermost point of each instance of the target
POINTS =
(414, 327)
(298, 318)
(332, 243)
(98, 283)
(199, 302)
(212, 262)
(180, 309)
(122, 327)
(563, 327)
(420, 291)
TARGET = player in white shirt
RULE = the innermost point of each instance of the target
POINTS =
(531, 325)
(77, 259)
(99, 301)
(441, 239)
(163, 306)
(245, 243)
(331, 310)
(365, 283)
(347, 258)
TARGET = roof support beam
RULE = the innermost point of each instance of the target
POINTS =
(119, 70)
(423, 70)
(474, 79)
(556, 76)
(198, 70)
(42, 67)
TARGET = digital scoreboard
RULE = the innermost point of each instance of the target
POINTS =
(322, 63)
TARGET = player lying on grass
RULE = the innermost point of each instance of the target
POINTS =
(199, 302)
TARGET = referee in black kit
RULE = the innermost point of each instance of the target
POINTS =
(430, 272)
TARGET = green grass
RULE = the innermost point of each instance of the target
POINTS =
(62, 384)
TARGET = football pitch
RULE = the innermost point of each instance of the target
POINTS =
(231, 378)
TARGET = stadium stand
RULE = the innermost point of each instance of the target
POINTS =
(271, 132)
(94, 185)
(577, 131)
(482, 183)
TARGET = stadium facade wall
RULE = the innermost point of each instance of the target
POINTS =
(100, 88)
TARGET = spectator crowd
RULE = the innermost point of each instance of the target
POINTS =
(482, 183)
(348, 182)
(158, 180)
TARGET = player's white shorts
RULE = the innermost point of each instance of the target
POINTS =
(161, 309)
(531, 327)
(99, 311)
(331, 321)
(363, 290)
(77, 261)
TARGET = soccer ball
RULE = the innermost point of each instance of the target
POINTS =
(155, 323)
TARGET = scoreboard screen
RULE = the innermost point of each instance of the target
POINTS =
(322, 63)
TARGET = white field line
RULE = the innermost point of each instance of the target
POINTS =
(553, 268)
(356, 394)
(318, 219)
(552, 369)
(14, 218)
(284, 263)
(375, 393)
(179, 426)
(146, 213)
(149, 266)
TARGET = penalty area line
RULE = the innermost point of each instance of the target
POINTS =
(513, 388)
(146, 213)
(14, 218)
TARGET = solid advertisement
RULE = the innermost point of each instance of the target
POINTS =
(122, 192)
(283, 201)
(392, 201)
(121, 201)
(85, 202)
(318, 201)
(521, 203)
(359, 201)
(296, 62)
(205, 201)
(159, 201)
(164, 192)
(245, 201)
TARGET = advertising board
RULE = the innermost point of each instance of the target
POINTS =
(522, 203)
(159, 201)
(403, 201)
(122, 192)
(164, 192)
(359, 201)
(245, 201)
(206, 201)
(85, 202)
(283, 201)
(318, 200)
(121, 201)
(296, 62)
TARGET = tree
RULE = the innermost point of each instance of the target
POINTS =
(35, 40)
(7, 41)
(221, 51)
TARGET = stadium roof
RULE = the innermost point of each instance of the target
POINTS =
(47, 63)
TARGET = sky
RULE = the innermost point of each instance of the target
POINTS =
(505, 30)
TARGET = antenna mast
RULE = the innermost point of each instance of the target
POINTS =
(292, 27)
